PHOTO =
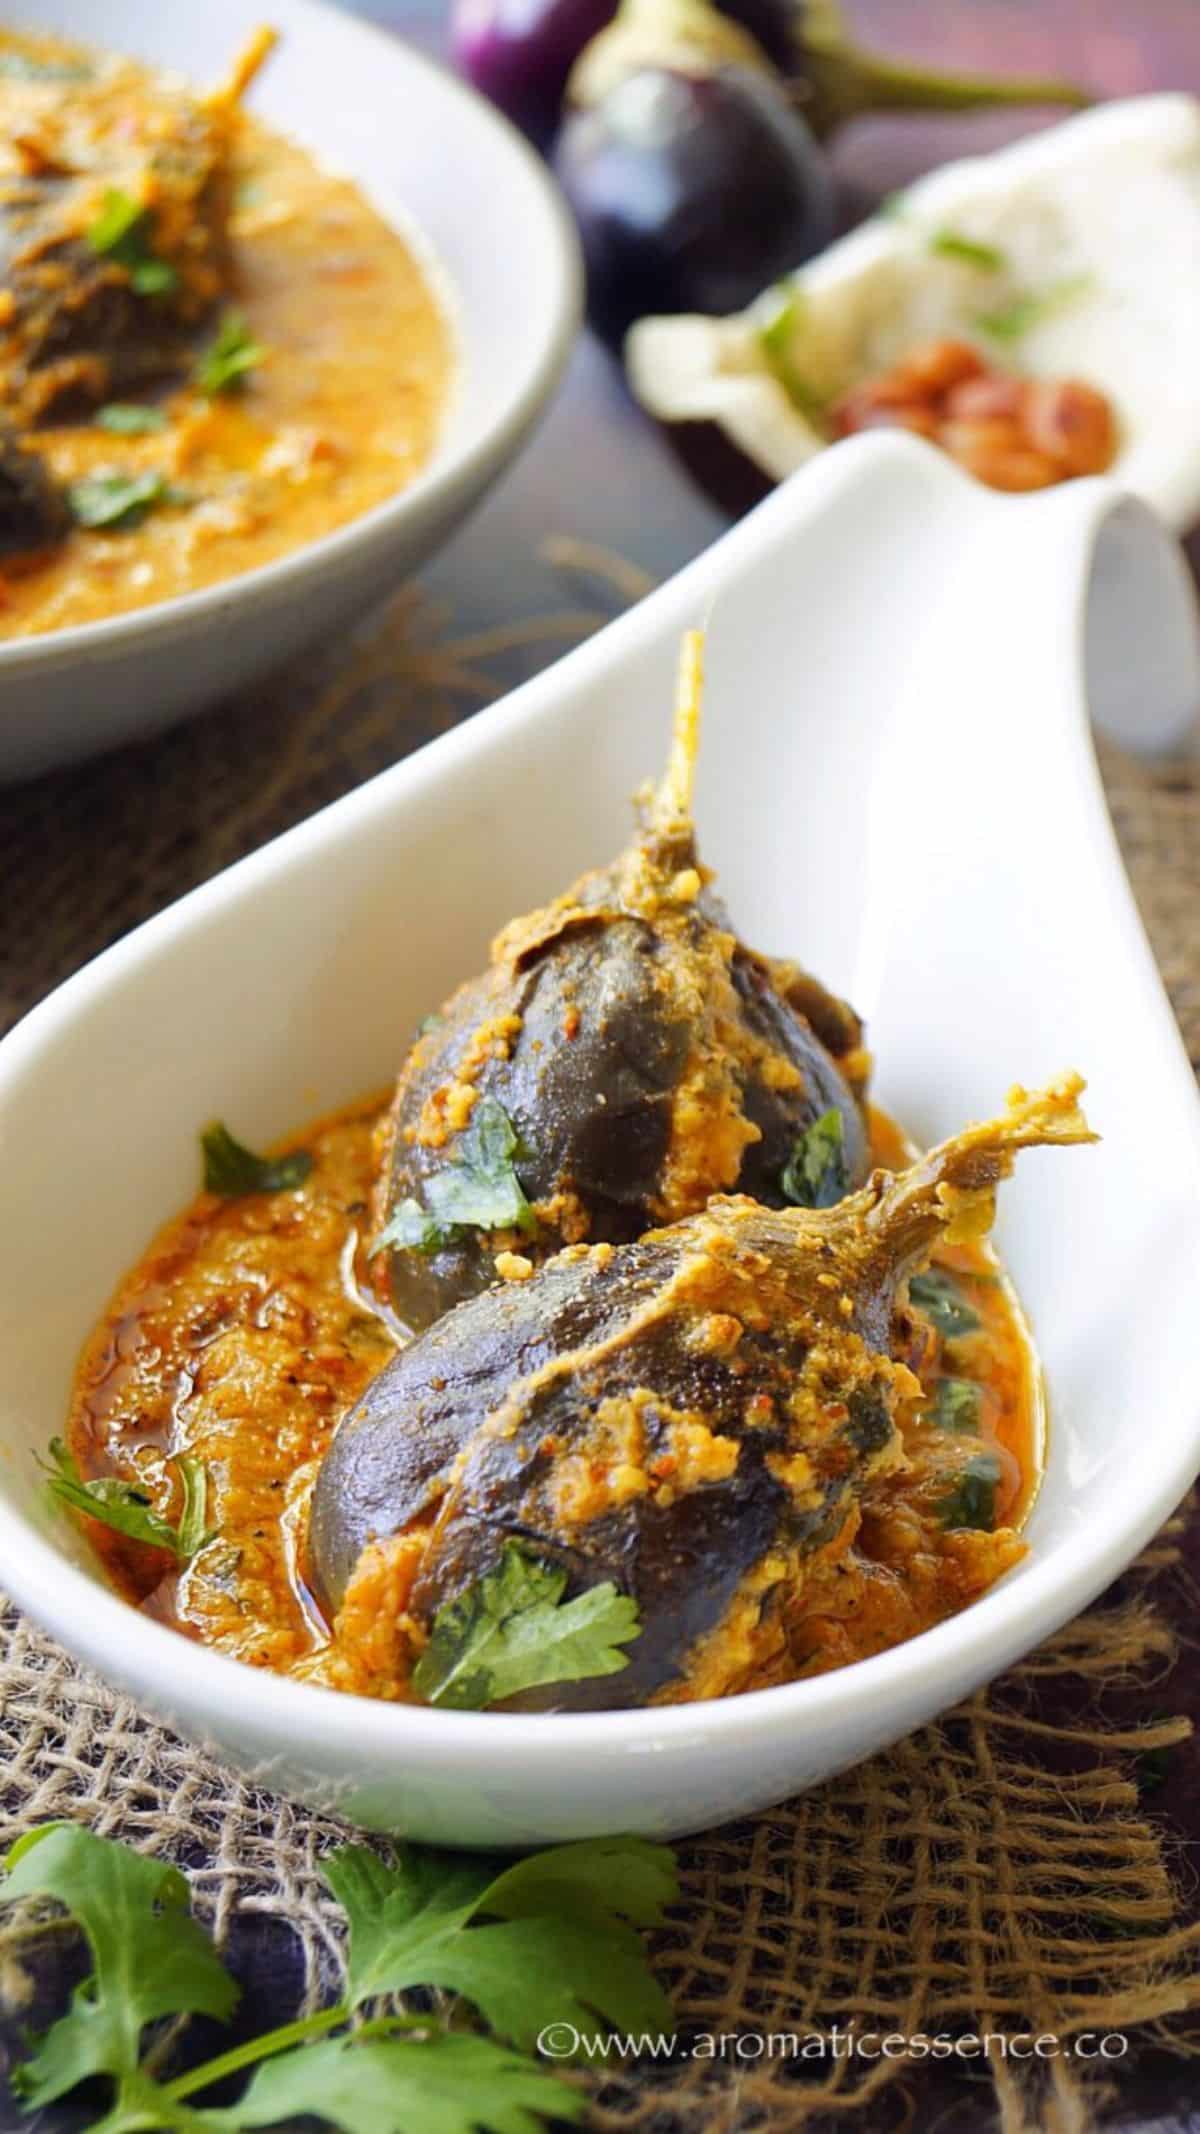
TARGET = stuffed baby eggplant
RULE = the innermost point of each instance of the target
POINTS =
(661, 1436)
(114, 208)
(623, 1058)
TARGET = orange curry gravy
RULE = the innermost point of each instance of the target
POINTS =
(340, 413)
(246, 1333)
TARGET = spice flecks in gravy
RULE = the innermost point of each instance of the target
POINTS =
(242, 1337)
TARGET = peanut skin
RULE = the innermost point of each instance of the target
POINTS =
(936, 366)
(1012, 433)
(1071, 423)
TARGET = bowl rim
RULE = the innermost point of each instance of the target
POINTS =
(449, 467)
(179, 1676)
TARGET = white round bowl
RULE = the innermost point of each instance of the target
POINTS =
(438, 162)
(897, 785)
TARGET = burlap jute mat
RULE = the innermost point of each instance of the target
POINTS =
(1003, 1870)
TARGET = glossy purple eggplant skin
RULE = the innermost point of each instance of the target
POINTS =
(518, 53)
(594, 1112)
(691, 193)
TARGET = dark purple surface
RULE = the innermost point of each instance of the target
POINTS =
(691, 193)
(599, 472)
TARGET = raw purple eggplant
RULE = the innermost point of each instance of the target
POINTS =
(519, 53)
(692, 193)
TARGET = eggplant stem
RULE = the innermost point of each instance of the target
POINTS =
(849, 81)
(952, 1189)
(247, 62)
(673, 800)
(900, 88)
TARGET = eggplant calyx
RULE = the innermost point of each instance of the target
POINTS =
(842, 80)
(685, 36)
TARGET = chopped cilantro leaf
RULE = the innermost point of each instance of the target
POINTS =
(955, 1404)
(972, 1501)
(120, 232)
(231, 1169)
(939, 1296)
(117, 501)
(477, 1190)
(119, 217)
(513, 1631)
(152, 277)
(814, 1175)
(777, 341)
(411, 1228)
(127, 1509)
(126, 419)
(1012, 320)
(952, 244)
(228, 360)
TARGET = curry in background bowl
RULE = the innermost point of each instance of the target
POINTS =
(213, 350)
(626, 1355)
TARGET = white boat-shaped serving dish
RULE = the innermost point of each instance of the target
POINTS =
(898, 786)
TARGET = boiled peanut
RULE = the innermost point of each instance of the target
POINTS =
(986, 398)
(1071, 423)
(997, 453)
(935, 366)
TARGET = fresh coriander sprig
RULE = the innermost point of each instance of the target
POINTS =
(117, 501)
(972, 1500)
(127, 1508)
(150, 1959)
(955, 1405)
(968, 251)
(230, 357)
(129, 418)
(551, 1938)
(777, 339)
(1012, 320)
(815, 1174)
(936, 1293)
(121, 232)
(231, 1169)
(513, 1631)
(478, 1189)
